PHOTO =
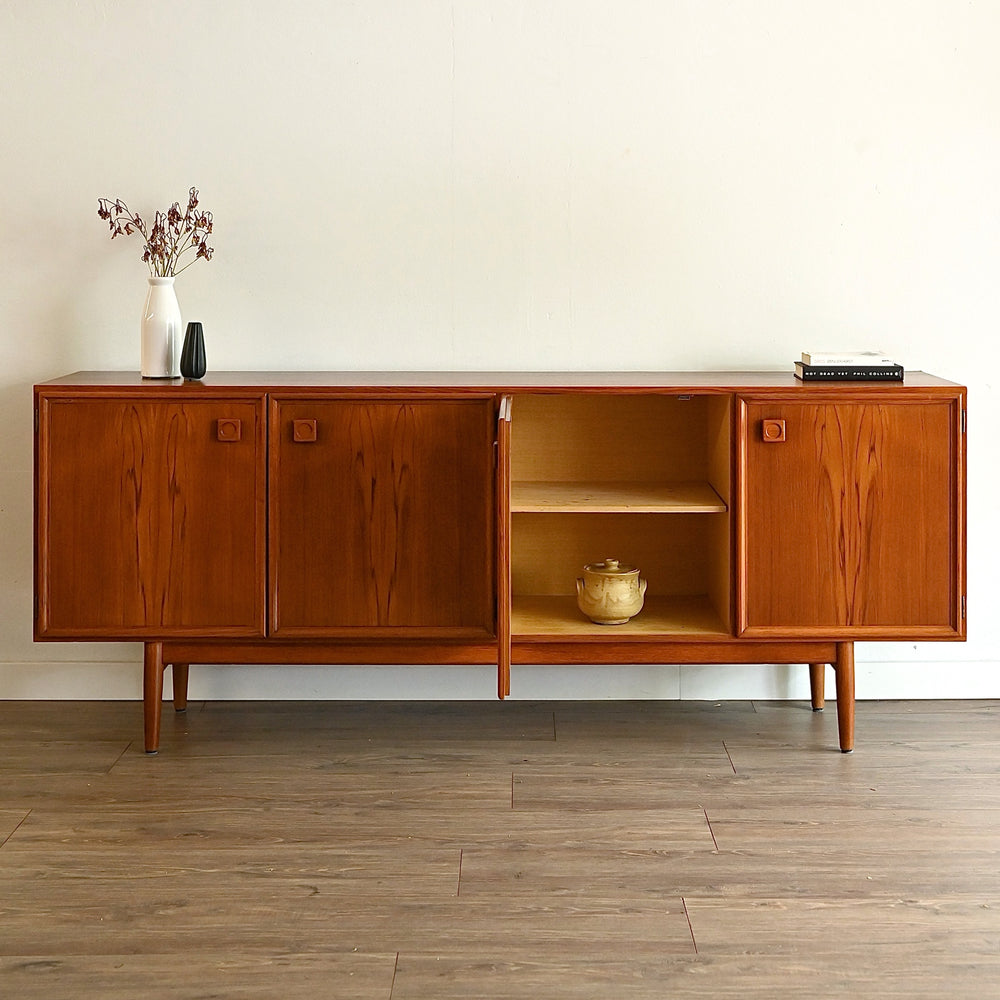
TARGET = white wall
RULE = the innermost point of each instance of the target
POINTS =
(505, 184)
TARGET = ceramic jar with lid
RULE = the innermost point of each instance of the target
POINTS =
(610, 592)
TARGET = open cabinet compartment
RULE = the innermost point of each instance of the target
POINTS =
(644, 478)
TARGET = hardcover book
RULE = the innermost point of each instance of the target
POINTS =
(848, 373)
(847, 358)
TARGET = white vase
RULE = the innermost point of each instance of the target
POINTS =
(160, 330)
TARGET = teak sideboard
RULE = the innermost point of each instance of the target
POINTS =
(443, 518)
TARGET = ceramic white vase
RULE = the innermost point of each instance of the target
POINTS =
(160, 330)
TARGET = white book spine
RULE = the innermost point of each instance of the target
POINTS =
(846, 358)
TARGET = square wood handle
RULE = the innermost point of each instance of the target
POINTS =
(229, 429)
(773, 431)
(304, 431)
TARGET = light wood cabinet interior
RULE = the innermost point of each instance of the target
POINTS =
(641, 478)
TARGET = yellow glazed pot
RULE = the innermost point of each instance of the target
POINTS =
(609, 593)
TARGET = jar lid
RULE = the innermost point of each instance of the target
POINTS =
(611, 567)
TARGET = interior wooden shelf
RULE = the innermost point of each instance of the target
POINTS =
(661, 616)
(633, 498)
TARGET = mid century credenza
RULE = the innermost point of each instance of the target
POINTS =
(433, 518)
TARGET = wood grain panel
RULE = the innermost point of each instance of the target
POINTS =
(631, 647)
(148, 523)
(773, 926)
(721, 530)
(711, 977)
(432, 382)
(503, 564)
(10, 820)
(386, 520)
(227, 974)
(853, 524)
(749, 828)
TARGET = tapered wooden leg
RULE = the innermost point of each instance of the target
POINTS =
(180, 675)
(152, 693)
(817, 688)
(844, 669)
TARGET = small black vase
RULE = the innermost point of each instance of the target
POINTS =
(193, 352)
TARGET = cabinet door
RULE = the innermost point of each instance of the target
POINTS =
(150, 517)
(851, 520)
(503, 521)
(382, 516)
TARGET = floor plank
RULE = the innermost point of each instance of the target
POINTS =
(219, 975)
(858, 927)
(422, 977)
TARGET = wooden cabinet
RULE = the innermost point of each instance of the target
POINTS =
(444, 519)
(381, 516)
(150, 516)
(850, 516)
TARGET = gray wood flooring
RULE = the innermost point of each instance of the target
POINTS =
(485, 850)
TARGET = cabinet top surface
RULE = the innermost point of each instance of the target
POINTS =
(706, 381)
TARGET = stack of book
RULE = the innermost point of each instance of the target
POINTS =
(848, 366)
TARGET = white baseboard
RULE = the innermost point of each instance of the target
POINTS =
(122, 681)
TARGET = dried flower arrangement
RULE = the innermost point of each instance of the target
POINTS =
(172, 235)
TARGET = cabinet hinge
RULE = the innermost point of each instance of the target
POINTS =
(36, 419)
(963, 607)
(965, 422)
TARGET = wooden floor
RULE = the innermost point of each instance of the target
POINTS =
(499, 850)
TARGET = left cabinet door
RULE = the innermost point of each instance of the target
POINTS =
(150, 516)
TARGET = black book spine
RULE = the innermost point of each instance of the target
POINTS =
(849, 373)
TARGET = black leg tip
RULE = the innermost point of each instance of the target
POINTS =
(847, 751)
(817, 709)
